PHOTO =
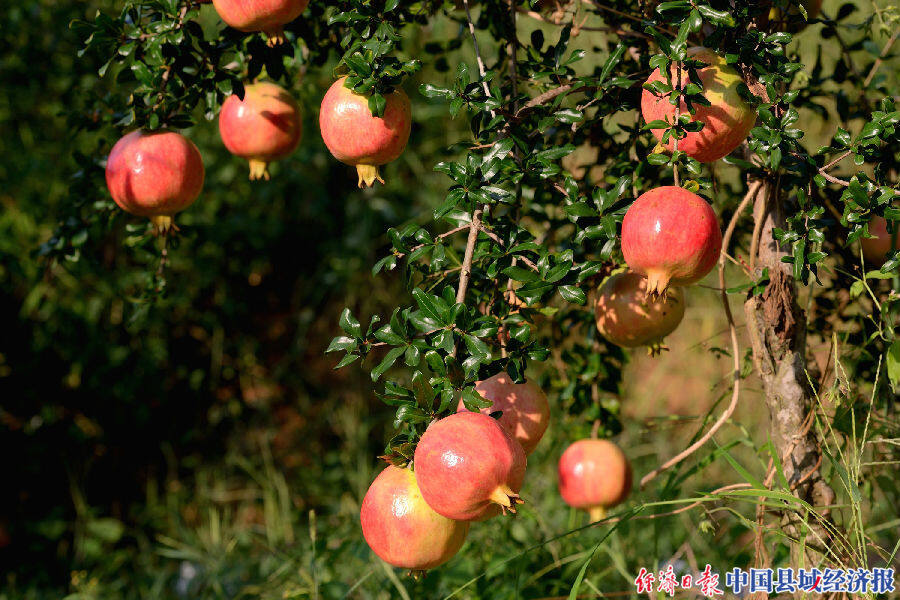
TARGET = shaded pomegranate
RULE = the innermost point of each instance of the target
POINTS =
(875, 249)
(263, 127)
(356, 137)
(526, 412)
(594, 475)
(155, 175)
(727, 120)
(627, 318)
(267, 16)
(469, 468)
(402, 529)
(671, 236)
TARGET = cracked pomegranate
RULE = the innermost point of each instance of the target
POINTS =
(594, 475)
(526, 412)
(263, 127)
(267, 16)
(155, 175)
(671, 236)
(469, 468)
(626, 317)
(402, 529)
(356, 137)
(727, 120)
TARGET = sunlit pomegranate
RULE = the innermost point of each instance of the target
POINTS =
(356, 137)
(727, 120)
(526, 412)
(875, 249)
(263, 127)
(627, 317)
(671, 236)
(594, 475)
(402, 529)
(154, 175)
(469, 468)
(267, 16)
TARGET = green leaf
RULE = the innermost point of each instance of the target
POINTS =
(893, 364)
(349, 324)
(389, 359)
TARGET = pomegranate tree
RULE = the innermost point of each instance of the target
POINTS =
(671, 236)
(594, 475)
(727, 119)
(626, 317)
(267, 16)
(469, 468)
(155, 175)
(263, 127)
(875, 249)
(402, 529)
(357, 137)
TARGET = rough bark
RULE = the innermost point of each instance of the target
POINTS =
(777, 328)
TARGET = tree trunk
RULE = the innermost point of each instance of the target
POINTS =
(777, 328)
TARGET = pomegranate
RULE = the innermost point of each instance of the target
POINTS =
(594, 475)
(402, 529)
(526, 412)
(155, 175)
(793, 21)
(671, 236)
(727, 120)
(263, 127)
(627, 318)
(875, 249)
(356, 137)
(267, 16)
(469, 468)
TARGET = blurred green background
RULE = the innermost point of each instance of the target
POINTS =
(201, 446)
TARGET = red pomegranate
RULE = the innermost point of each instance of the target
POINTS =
(155, 175)
(594, 475)
(263, 127)
(526, 412)
(626, 317)
(671, 236)
(468, 467)
(356, 137)
(402, 529)
(268, 16)
(727, 120)
(875, 249)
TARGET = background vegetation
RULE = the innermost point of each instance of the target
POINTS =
(199, 444)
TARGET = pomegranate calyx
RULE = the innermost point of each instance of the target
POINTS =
(275, 36)
(368, 174)
(656, 348)
(506, 498)
(163, 224)
(657, 285)
(259, 169)
(596, 513)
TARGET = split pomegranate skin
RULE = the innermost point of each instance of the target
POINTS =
(876, 249)
(526, 411)
(469, 468)
(402, 529)
(727, 120)
(263, 127)
(626, 317)
(672, 237)
(594, 475)
(154, 175)
(267, 16)
(356, 137)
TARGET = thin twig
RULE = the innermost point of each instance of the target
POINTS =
(735, 347)
(880, 59)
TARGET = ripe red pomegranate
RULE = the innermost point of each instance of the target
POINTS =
(402, 529)
(263, 127)
(727, 120)
(672, 236)
(526, 412)
(626, 317)
(268, 16)
(594, 475)
(155, 175)
(468, 467)
(875, 249)
(356, 137)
